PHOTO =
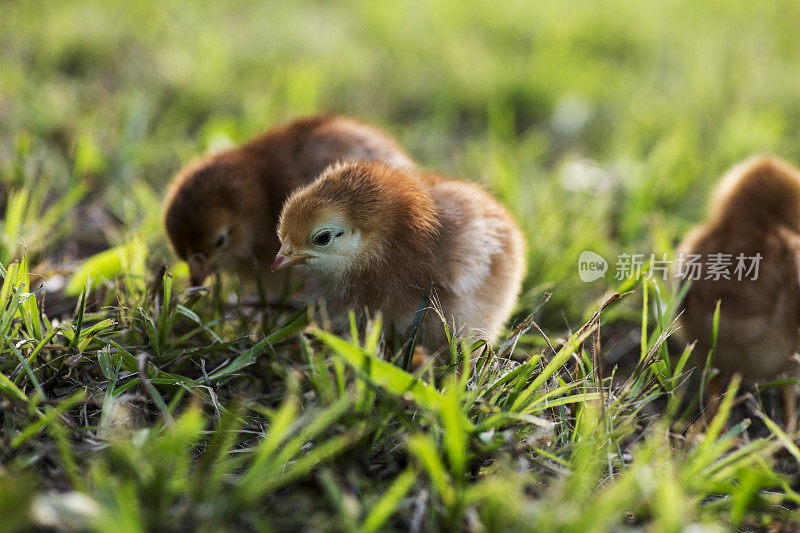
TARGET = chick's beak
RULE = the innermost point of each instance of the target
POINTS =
(287, 258)
(197, 271)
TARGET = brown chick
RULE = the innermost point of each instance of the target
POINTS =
(755, 211)
(222, 209)
(375, 238)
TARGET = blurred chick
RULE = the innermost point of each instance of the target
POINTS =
(755, 210)
(222, 209)
(375, 238)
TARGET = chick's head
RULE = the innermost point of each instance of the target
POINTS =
(761, 190)
(207, 220)
(351, 216)
(328, 244)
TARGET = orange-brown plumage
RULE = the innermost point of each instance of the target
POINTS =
(375, 238)
(755, 210)
(222, 209)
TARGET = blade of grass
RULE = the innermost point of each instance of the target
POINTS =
(388, 503)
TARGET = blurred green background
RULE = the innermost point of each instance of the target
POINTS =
(601, 125)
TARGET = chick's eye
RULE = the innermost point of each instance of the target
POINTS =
(220, 241)
(323, 238)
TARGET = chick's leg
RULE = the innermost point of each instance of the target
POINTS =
(420, 357)
(789, 401)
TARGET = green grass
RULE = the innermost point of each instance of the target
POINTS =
(132, 404)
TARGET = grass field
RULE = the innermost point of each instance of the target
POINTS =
(132, 404)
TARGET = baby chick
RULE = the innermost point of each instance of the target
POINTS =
(375, 238)
(222, 209)
(755, 218)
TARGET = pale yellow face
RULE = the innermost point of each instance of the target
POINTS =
(329, 248)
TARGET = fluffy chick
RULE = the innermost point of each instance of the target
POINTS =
(222, 209)
(374, 238)
(755, 210)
